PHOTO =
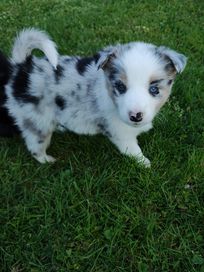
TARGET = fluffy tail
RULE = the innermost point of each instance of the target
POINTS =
(30, 39)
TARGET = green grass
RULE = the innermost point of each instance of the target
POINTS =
(100, 211)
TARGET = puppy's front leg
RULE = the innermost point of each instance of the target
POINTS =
(128, 145)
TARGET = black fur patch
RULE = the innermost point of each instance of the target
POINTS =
(96, 57)
(5, 69)
(60, 102)
(21, 83)
(59, 73)
(8, 130)
(82, 63)
(7, 123)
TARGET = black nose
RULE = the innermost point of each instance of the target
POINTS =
(136, 117)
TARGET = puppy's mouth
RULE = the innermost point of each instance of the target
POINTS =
(134, 124)
(139, 124)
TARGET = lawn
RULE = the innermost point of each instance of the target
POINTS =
(100, 211)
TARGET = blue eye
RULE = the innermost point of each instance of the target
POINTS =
(153, 90)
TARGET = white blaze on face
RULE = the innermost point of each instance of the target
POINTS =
(142, 67)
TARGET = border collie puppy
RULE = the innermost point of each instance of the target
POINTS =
(116, 92)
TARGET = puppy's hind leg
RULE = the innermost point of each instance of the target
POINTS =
(37, 145)
(42, 156)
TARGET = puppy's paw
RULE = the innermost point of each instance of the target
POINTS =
(147, 162)
(144, 161)
(45, 158)
(50, 159)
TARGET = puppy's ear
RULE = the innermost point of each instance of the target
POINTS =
(178, 60)
(106, 60)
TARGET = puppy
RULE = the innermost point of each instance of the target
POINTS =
(116, 92)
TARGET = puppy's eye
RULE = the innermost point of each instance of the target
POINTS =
(154, 90)
(120, 87)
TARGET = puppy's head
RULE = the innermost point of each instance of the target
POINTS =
(139, 79)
